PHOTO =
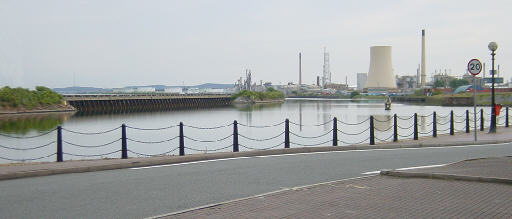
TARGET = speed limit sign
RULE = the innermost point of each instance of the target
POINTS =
(474, 66)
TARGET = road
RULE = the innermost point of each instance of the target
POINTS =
(143, 192)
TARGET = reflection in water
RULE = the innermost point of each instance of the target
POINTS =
(23, 124)
(423, 123)
(300, 116)
(326, 116)
(247, 109)
(383, 122)
(142, 111)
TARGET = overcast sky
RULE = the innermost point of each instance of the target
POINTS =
(109, 43)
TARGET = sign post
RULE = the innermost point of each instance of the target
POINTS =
(474, 67)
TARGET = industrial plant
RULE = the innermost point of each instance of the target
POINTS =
(380, 79)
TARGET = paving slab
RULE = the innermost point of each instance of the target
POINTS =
(494, 169)
(381, 196)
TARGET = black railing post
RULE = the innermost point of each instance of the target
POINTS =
(182, 140)
(235, 136)
(395, 128)
(506, 117)
(124, 147)
(467, 121)
(286, 133)
(335, 132)
(481, 119)
(372, 134)
(59, 144)
(415, 126)
(452, 127)
(434, 125)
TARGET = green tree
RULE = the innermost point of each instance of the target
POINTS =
(353, 94)
(16, 97)
(439, 83)
(269, 94)
(455, 83)
(418, 92)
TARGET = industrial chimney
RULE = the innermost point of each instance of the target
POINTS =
(423, 71)
(300, 70)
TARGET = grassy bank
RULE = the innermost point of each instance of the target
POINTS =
(465, 99)
(269, 94)
(21, 98)
(369, 97)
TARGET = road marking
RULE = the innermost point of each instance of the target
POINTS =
(407, 168)
(371, 172)
(186, 163)
(311, 153)
(422, 167)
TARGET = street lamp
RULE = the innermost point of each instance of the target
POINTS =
(493, 46)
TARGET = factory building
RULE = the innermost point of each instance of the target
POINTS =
(361, 81)
(174, 90)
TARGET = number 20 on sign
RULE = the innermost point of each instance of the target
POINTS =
(474, 66)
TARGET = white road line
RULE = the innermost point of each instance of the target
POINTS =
(422, 167)
(371, 172)
(310, 153)
(406, 168)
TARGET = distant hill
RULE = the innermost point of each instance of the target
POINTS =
(86, 90)
(211, 85)
(81, 90)
(207, 85)
(157, 87)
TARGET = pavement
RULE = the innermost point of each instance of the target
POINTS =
(478, 188)
(21, 170)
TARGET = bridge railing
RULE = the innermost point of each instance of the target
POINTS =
(180, 140)
(141, 95)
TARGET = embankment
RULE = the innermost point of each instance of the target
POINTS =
(465, 99)
(37, 109)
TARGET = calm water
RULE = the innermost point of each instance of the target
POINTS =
(210, 130)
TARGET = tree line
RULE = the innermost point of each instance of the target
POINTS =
(269, 94)
(22, 97)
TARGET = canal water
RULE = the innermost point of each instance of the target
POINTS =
(30, 138)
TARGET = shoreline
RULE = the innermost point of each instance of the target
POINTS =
(268, 101)
(51, 109)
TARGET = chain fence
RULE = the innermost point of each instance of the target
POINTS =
(334, 131)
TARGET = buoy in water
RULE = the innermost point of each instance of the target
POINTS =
(387, 104)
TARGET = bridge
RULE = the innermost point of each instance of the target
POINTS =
(105, 102)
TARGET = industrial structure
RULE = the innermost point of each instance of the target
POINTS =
(300, 69)
(247, 83)
(361, 80)
(326, 78)
(423, 67)
(380, 74)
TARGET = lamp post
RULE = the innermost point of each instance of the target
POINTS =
(493, 46)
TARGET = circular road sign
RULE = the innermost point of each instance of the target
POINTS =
(474, 66)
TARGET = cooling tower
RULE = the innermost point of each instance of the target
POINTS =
(380, 74)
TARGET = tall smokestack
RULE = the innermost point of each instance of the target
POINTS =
(423, 72)
(418, 76)
(300, 69)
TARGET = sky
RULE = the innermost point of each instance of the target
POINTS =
(117, 43)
